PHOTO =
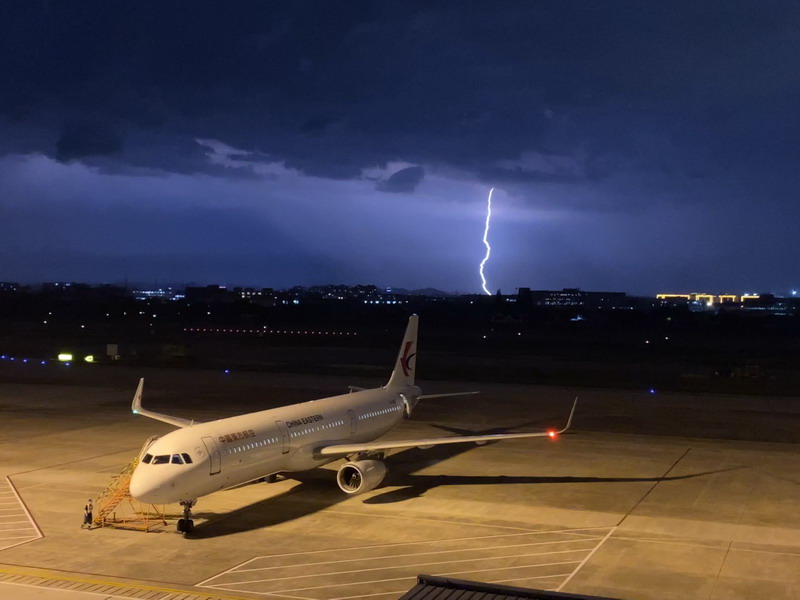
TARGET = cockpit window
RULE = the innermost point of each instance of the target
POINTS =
(176, 459)
(186, 458)
(147, 458)
(161, 459)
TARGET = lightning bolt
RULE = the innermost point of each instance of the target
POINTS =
(486, 242)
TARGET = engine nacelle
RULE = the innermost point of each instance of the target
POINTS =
(360, 476)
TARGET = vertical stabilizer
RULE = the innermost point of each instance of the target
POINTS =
(403, 374)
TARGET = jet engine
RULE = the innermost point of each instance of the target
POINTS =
(360, 476)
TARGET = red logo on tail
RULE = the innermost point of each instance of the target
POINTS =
(406, 358)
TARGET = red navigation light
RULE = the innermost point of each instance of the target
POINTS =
(552, 434)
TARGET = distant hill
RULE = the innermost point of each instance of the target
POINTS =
(422, 292)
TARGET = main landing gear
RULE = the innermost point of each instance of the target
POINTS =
(185, 525)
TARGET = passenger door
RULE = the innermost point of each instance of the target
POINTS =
(284, 436)
(213, 455)
(353, 422)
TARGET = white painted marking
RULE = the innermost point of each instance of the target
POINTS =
(394, 556)
(527, 578)
(13, 522)
(585, 560)
(206, 580)
(478, 551)
(14, 513)
(413, 566)
(567, 562)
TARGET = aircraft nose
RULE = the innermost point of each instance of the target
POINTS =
(145, 488)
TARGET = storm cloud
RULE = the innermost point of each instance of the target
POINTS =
(579, 112)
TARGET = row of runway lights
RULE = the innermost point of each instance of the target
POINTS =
(34, 361)
(275, 331)
(67, 363)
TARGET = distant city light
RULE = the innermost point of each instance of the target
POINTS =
(65, 357)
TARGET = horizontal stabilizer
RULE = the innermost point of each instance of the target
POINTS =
(136, 407)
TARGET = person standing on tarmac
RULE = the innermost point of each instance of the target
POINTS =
(87, 514)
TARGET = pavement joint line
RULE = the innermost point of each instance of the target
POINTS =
(413, 518)
(653, 487)
(585, 560)
(71, 462)
(719, 571)
(393, 556)
(766, 551)
(55, 577)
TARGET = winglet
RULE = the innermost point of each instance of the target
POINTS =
(136, 408)
(136, 405)
(571, 414)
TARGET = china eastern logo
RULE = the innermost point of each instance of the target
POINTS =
(406, 358)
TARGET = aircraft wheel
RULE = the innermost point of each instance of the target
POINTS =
(182, 525)
(189, 526)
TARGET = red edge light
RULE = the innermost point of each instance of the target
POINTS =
(552, 434)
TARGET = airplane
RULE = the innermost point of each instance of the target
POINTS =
(200, 458)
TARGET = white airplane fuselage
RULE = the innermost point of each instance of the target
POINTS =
(200, 458)
(235, 450)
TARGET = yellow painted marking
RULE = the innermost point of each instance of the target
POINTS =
(58, 576)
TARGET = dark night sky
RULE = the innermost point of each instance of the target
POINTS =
(635, 146)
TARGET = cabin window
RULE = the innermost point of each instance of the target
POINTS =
(186, 458)
(161, 459)
(147, 458)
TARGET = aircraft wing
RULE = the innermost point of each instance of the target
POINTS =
(136, 407)
(429, 396)
(425, 443)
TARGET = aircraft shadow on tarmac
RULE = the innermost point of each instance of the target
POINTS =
(310, 496)
(317, 489)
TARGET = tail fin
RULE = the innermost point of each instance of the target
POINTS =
(403, 374)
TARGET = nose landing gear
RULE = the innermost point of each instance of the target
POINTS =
(186, 525)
